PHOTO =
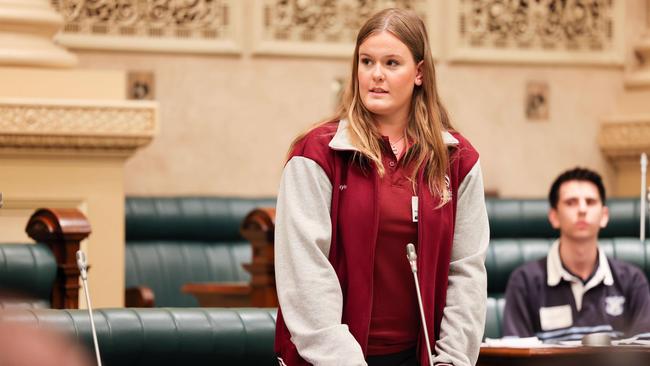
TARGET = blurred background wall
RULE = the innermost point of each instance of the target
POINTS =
(228, 114)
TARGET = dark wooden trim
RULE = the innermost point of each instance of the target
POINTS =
(139, 297)
(564, 356)
(220, 294)
(259, 228)
(62, 230)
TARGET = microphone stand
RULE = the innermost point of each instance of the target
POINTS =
(644, 197)
(82, 264)
(412, 258)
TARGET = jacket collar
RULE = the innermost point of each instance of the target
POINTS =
(556, 271)
(341, 140)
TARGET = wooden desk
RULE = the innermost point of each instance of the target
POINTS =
(220, 294)
(234, 294)
(564, 356)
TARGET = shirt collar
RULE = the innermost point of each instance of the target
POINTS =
(556, 272)
(341, 140)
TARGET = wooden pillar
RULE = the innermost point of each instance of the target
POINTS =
(27, 29)
(62, 230)
(625, 135)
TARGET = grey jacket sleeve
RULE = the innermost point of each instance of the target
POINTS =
(309, 292)
(463, 320)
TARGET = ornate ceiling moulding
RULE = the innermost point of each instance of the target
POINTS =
(538, 31)
(320, 27)
(197, 26)
(117, 128)
(625, 137)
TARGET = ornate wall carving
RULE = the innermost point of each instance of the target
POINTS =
(564, 31)
(627, 137)
(169, 25)
(584, 31)
(317, 27)
(117, 127)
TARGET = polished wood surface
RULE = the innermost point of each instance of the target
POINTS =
(220, 294)
(62, 230)
(565, 356)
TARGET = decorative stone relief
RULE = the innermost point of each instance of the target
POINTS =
(317, 27)
(168, 25)
(582, 31)
(121, 126)
(625, 138)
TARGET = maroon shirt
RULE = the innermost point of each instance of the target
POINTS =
(394, 325)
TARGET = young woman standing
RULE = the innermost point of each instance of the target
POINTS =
(387, 171)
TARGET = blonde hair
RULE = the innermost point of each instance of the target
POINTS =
(427, 116)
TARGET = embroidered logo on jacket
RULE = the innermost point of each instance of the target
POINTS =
(343, 186)
(614, 305)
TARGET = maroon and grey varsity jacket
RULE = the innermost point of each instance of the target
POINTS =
(326, 228)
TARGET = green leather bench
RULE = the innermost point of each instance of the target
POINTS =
(520, 232)
(27, 273)
(171, 241)
(166, 336)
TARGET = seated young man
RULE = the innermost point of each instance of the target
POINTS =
(576, 289)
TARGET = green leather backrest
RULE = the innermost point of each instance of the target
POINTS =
(494, 319)
(29, 270)
(167, 337)
(504, 255)
(519, 218)
(171, 241)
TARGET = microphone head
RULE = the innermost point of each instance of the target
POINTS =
(81, 259)
(410, 252)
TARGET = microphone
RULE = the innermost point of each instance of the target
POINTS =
(644, 197)
(83, 268)
(412, 257)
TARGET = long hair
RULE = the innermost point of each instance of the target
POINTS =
(427, 116)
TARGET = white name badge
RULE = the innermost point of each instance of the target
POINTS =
(555, 317)
(414, 208)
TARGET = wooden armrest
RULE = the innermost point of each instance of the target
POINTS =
(259, 224)
(139, 297)
(259, 228)
(62, 230)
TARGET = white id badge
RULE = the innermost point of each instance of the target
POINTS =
(555, 317)
(414, 208)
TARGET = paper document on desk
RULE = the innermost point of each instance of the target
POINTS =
(514, 342)
(634, 341)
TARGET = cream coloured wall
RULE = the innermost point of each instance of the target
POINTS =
(226, 121)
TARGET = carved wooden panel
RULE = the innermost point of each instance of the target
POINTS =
(206, 26)
(318, 27)
(564, 31)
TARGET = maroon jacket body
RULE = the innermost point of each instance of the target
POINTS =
(354, 217)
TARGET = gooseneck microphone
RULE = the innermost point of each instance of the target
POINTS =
(644, 196)
(412, 258)
(83, 268)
